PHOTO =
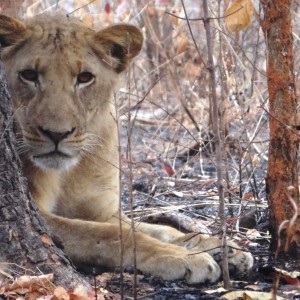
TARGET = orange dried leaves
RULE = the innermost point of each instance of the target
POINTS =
(238, 15)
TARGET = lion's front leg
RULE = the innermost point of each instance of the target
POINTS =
(99, 244)
(239, 260)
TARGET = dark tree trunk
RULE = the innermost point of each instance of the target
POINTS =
(24, 239)
(284, 141)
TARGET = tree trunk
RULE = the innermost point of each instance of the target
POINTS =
(282, 168)
(24, 239)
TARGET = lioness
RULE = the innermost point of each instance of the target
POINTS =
(62, 76)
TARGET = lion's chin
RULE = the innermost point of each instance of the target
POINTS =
(55, 160)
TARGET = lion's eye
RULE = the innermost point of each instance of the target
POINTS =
(84, 77)
(29, 75)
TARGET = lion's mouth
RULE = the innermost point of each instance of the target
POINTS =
(52, 154)
(55, 160)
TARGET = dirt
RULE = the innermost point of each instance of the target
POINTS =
(153, 191)
(260, 279)
(182, 192)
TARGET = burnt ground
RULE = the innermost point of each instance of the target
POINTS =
(204, 210)
(180, 190)
(187, 198)
(261, 278)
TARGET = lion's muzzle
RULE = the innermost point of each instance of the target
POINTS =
(54, 149)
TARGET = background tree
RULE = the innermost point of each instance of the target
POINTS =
(284, 140)
(24, 239)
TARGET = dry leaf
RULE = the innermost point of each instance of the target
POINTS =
(249, 295)
(60, 294)
(26, 283)
(253, 234)
(46, 239)
(181, 42)
(88, 20)
(80, 293)
(34, 287)
(168, 168)
(238, 15)
(177, 194)
(253, 287)
(217, 290)
(107, 8)
(289, 277)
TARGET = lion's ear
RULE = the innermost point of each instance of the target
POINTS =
(121, 43)
(11, 31)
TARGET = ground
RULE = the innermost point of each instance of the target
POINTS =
(191, 205)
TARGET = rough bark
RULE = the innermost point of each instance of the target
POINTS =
(24, 239)
(282, 168)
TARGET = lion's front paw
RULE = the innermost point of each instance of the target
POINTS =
(195, 268)
(239, 260)
(202, 268)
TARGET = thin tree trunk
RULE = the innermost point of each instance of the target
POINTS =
(282, 168)
(218, 142)
(24, 239)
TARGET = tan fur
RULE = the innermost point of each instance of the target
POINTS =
(75, 180)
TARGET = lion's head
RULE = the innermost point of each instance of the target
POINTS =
(61, 76)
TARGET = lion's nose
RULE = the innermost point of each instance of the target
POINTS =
(56, 137)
